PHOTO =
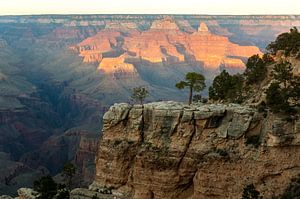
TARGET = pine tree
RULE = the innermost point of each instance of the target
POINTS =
(194, 81)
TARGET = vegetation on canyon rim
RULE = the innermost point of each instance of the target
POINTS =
(194, 81)
(230, 88)
(283, 93)
(139, 94)
(47, 188)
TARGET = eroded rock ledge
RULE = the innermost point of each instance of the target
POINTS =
(171, 150)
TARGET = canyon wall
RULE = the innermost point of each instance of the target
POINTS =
(171, 150)
(52, 100)
(165, 43)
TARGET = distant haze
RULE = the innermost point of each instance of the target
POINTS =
(220, 7)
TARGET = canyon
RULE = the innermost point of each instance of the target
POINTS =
(60, 73)
(163, 43)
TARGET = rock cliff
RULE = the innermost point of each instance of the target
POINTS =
(171, 150)
(36, 117)
(163, 42)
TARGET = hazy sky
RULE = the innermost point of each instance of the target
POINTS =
(13, 7)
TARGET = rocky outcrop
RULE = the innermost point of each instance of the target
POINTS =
(160, 44)
(26, 193)
(81, 193)
(171, 150)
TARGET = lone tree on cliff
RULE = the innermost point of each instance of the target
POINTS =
(139, 94)
(194, 81)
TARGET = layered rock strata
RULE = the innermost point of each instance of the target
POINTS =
(171, 150)
(163, 42)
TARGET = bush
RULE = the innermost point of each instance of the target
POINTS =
(255, 69)
(268, 59)
(283, 73)
(46, 187)
(197, 98)
(227, 87)
(289, 42)
(285, 89)
(276, 99)
(68, 172)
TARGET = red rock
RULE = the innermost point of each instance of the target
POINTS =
(158, 44)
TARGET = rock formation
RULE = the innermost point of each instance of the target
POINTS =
(160, 44)
(203, 28)
(36, 117)
(171, 150)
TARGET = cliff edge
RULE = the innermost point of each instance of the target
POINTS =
(171, 150)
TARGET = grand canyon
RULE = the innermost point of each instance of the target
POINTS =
(59, 74)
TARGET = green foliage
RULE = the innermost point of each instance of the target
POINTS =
(283, 72)
(255, 69)
(194, 81)
(250, 192)
(227, 87)
(285, 91)
(68, 172)
(277, 99)
(46, 187)
(197, 98)
(294, 89)
(139, 94)
(268, 59)
(62, 192)
(289, 42)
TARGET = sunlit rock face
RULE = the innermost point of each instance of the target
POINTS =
(117, 66)
(163, 42)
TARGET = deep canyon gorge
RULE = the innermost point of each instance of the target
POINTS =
(59, 74)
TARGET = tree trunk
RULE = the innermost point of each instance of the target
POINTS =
(191, 95)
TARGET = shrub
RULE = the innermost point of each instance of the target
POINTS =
(289, 42)
(227, 87)
(276, 99)
(285, 88)
(197, 98)
(255, 69)
(283, 73)
(46, 187)
(68, 172)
